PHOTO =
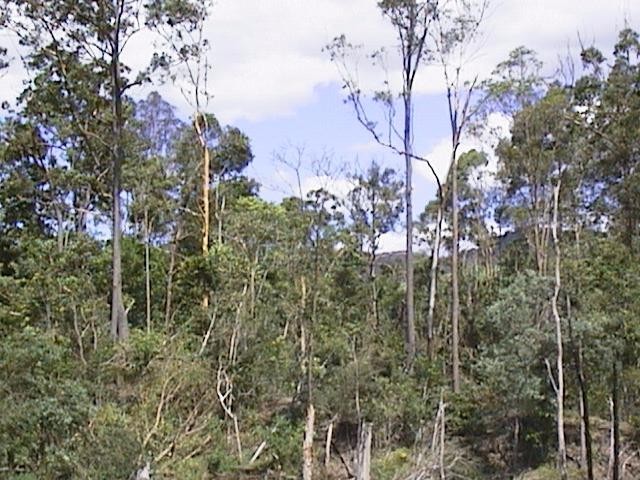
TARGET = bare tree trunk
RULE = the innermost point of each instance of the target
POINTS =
(170, 273)
(442, 438)
(60, 229)
(147, 268)
(119, 325)
(410, 329)
(200, 124)
(327, 445)
(307, 445)
(562, 449)
(455, 289)
(363, 462)
(615, 419)
(433, 283)
(372, 277)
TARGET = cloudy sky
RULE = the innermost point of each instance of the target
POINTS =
(271, 78)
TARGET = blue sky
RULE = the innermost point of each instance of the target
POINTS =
(271, 78)
(327, 126)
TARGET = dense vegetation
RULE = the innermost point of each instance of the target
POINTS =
(214, 334)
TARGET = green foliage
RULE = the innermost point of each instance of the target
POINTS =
(302, 306)
(392, 464)
(44, 403)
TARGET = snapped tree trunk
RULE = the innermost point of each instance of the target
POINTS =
(119, 324)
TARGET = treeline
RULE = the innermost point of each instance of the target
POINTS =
(213, 334)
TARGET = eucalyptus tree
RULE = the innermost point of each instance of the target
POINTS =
(375, 205)
(614, 128)
(515, 87)
(457, 28)
(153, 183)
(184, 58)
(412, 21)
(607, 96)
(64, 37)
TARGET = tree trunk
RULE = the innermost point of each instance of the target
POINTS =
(586, 452)
(119, 325)
(562, 449)
(363, 462)
(172, 266)
(455, 291)
(410, 329)
(60, 229)
(201, 126)
(584, 417)
(442, 439)
(615, 418)
(372, 278)
(147, 268)
(327, 445)
(307, 446)
(516, 443)
(433, 282)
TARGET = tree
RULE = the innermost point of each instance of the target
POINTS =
(614, 127)
(524, 170)
(181, 23)
(153, 182)
(375, 206)
(455, 32)
(412, 21)
(62, 35)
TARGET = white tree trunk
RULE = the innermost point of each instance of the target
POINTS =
(307, 446)
(363, 462)
(562, 449)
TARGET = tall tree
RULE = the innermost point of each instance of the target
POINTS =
(412, 21)
(181, 24)
(62, 33)
(524, 170)
(153, 184)
(456, 30)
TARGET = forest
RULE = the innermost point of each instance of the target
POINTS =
(160, 319)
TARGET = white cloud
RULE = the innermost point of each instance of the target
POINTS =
(267, 58)
(440, 153)
(268, 61)
(339, 187)
(393, 242)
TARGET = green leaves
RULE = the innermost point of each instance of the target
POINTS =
(43, 402)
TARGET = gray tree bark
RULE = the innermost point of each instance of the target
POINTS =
(119, 324)
(363, 462)
(307, 445)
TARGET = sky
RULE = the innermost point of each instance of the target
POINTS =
(271, 78)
